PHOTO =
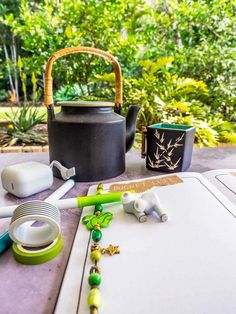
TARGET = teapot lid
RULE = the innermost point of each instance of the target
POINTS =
(84, 103)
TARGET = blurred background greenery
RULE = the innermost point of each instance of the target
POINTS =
(178, 58)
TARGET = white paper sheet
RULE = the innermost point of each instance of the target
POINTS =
(185, 265)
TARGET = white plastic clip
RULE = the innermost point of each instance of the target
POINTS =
(65, 172)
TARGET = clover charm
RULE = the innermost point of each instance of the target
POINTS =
(102, 220)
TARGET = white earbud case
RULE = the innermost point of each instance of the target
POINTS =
(27, 178)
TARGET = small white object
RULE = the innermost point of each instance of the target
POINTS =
(65, 173)
(24, 228)
(22, 233)
(148, 202)
(61, 191)
(27, 178)
(7, 211)
(66, 203)
(31, 177)
(128, 200)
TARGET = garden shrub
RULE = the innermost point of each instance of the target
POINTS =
(178, 57)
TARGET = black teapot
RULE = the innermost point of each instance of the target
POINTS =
(89, 136)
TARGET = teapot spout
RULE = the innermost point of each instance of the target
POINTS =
(131, 126)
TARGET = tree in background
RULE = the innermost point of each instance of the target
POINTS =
(201, 37)
(50, 25)
(198, 35)
(9, 46)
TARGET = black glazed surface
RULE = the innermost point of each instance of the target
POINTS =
(169, 150)
(91, 139)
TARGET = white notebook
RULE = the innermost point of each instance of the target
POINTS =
(183, 266)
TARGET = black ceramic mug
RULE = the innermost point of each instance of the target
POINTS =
(168, 147)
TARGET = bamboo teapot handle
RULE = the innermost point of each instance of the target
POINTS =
(48, 83)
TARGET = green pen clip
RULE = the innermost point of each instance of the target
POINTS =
(89, 200)
(99, 199)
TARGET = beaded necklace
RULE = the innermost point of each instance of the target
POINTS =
(94, 223)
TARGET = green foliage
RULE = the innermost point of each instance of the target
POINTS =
(19, 130)
(165, 97)
(162, 94)
(49, 25)
(226, 130)
(201, 37)
(24, 119)
(68, 92)
(21, 138)
(3, 95)
(146, 36)
(98, 90)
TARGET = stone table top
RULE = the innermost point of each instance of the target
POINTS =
(26, 289)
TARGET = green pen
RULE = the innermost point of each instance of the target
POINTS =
(90, 200)
(80, 201)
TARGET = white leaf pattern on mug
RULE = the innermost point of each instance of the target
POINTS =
(164, 152)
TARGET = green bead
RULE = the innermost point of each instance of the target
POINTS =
(94, 298)
(94, 279)
(95, 255)
(96, 235)
(100, 186)
(99, 207)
